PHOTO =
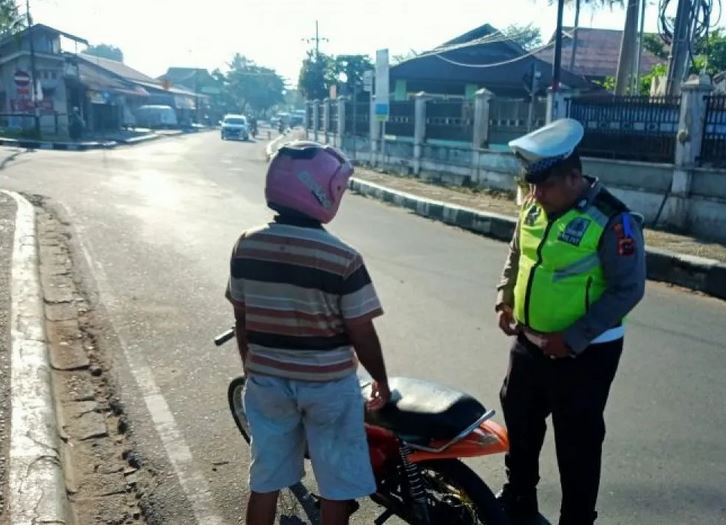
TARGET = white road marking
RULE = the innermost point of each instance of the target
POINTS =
(193, 482)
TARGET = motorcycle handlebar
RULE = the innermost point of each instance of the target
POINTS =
(224, 337)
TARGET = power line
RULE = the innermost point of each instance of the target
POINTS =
(494, 64)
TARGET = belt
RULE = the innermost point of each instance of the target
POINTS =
(607, 336)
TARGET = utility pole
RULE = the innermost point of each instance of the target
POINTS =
(680, 48)
(316, 39)
(627, 49)
(33, 75)
(556, 66)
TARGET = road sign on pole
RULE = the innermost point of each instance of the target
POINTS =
(382, 108)
(22, 78)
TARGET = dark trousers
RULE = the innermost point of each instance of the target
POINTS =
(574, 392)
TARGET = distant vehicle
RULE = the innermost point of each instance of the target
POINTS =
(297, 118)
(235, 127)
(156, 116)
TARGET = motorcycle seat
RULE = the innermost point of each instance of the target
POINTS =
(423, 409)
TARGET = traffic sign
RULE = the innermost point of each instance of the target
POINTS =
(22, 78)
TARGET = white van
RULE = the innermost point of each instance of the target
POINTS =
(156, 116)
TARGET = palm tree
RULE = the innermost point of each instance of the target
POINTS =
(626, 62)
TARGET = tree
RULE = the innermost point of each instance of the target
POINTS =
(249, 86)
(350, 69)
(10, 20)
(397, 59)
(105, 51)
(710, 53)
(317, 74)
(654, 43)
(528, 36)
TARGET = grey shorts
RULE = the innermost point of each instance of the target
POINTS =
(285, 415)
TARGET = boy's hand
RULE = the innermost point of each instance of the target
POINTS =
(380, 395)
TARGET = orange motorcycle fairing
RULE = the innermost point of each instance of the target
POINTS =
(488, 438)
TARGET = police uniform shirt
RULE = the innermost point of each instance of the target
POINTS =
(622, 257)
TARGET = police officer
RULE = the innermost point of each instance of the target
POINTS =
(576, 267)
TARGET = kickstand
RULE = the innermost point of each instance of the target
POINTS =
(380, 520)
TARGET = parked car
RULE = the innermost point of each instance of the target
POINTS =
(156, 116)
(235, 127)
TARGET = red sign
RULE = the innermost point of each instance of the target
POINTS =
(22, 78)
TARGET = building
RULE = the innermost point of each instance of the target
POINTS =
(206, 88)
(183, 101)
(481, 58)
(35, 56)
(596, 55)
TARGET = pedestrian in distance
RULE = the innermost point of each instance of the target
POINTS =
(76, 124)
(304, 306)
(576, 268)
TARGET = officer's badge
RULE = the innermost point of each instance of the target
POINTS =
(532, 215)
(575, 231)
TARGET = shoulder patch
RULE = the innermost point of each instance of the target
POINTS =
(609, 204)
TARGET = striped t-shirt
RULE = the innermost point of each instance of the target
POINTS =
(299, 285)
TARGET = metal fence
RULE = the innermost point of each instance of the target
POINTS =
(628, 128)
(309, 111)
(512, 118)
(450, 120)
(401, 118)
(333, 124)
(357, 118)
(713, 146)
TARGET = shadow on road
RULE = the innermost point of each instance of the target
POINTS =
(5, 161)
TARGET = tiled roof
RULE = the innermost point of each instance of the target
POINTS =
(598, 51)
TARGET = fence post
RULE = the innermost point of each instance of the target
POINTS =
(557, 104)
(316, 119)
(306, 119)
(375, 130)
(480, 136)
(326, 120)
(688, 147)
(419, 129)
(341, 121)
(480, 131)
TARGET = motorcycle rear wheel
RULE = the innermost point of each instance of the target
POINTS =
(457, 495)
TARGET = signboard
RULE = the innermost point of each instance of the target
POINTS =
(368, 81)
(333, 92)
(22, 78)
(382, 109)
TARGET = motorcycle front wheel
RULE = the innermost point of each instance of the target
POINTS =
(457, 495)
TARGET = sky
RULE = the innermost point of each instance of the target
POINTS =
(156, 34)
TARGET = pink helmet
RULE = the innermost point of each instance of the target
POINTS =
(309, 178)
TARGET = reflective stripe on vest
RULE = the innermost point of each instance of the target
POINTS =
(560, 274)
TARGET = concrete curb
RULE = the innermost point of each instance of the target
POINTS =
(36, 485)
(696, 273)
(62, 146)
(138, 140)
(85, 146)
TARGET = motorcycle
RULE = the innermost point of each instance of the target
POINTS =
(416, 443)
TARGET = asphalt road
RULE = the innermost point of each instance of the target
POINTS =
(157, 222)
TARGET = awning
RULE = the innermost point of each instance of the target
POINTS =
(95, 80)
